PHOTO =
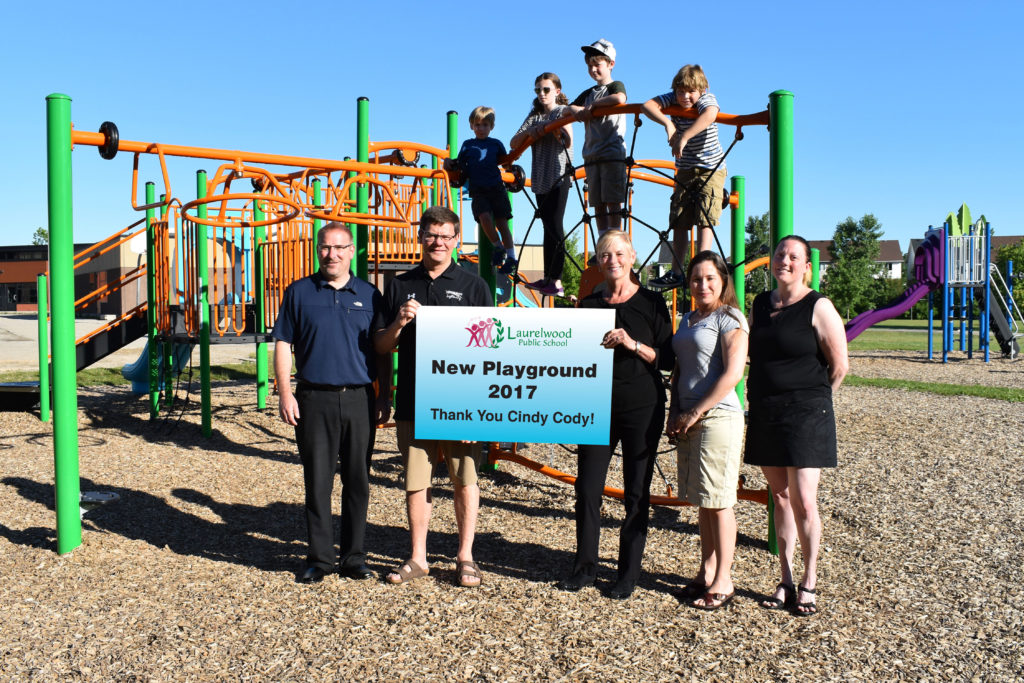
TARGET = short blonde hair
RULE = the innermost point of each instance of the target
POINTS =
(611, 235)
(482, 113)
(690, 77)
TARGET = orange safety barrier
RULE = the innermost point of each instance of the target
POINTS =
(494, 455)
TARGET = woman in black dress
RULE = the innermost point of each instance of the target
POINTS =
(797, 360)
(641, 339)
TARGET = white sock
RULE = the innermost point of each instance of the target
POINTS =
(511, 251)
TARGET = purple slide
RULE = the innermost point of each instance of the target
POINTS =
(929, 272)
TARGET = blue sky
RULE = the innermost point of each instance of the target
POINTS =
(901, 109)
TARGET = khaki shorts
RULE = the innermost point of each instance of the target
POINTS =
(606, 181)
(695, 205)
(708, 459)
(419, 456)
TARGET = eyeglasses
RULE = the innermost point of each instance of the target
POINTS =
(328, 248)
(544, 90)
(431, 237)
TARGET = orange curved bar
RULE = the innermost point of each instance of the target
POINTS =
(734, 199)
(652, 178)
(98, 139)
(339, 214)
(756, 263)
(135, 181)
(221, 222)
(416, 146)
(742, 492)
(761, 118)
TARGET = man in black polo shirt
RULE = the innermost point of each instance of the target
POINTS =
(327, 318)
(436, 281)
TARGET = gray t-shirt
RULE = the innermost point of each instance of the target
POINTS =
(699, 355)
(605, 135)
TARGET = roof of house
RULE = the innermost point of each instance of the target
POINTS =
(888, 250)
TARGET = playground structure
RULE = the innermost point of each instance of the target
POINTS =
(217, 265)
(955, 261)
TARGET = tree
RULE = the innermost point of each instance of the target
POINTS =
(759, 233)
(41, 236)
(759, 243)
(570, 273)
(849, 279)
(1015, 253)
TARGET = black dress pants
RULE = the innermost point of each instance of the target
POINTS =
(335, 433)
(639, 430)
(551, 210)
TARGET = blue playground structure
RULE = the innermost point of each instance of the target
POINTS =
(956, 261)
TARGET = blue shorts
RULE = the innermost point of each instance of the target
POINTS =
(492, 200)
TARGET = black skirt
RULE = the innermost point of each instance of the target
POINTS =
(789, 431)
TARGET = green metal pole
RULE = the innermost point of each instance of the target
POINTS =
(453, 144)
(42, 315)
(62, 275)
(739, 240)
(317, 202)
(363, 191)
(739, 255)
(780, 112)
(815, 270)
(202, 263)
(262, 370)
(780, 177)
(153, 352)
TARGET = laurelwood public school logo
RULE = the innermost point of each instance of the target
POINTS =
(486, 333)
(489, 333)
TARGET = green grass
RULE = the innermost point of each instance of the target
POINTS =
(998, 393)
(91, 377)
(893, 338)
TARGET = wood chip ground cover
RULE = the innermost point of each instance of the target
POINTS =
(190, 575)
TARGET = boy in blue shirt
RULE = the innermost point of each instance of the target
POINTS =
(700, 173)
(604, 147)
(479, 160)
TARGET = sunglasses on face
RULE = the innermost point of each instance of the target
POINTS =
(545, 90)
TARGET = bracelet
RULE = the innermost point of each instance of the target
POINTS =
(636, 349)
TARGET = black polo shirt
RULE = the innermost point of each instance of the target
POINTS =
(456, 286)
(330, 330)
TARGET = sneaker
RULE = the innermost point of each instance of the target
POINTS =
(536, 284)
(508, 267)
(498, 257)
(551, 289)
(669, 280)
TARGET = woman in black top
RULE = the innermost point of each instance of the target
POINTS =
(797, 360)
(641, 339)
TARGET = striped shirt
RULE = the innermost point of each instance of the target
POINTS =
(551, 159)
(703, 149)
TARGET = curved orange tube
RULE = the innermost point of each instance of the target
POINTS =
(756, 263)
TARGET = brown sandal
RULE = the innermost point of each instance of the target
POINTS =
(414, 571)
(466, 569)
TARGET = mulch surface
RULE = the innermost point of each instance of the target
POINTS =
(191, 574)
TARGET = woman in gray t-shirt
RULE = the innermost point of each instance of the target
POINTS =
(706, 418)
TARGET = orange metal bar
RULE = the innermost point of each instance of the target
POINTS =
(86, 256)
(739, 120)
(381, 146)
(111, 287)
(97, 139)
(756, 263)
(743, 493)
(141, 308)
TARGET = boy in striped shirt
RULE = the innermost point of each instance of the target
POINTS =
(700, 171)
